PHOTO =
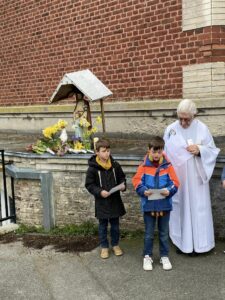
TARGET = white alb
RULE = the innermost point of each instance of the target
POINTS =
(191, 223)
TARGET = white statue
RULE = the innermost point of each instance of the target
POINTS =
(82, 110)
(63, 136)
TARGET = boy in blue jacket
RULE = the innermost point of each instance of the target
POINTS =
(156, 182)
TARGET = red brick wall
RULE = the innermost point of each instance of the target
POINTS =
(136, 47)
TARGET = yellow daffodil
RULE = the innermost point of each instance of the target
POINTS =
(78, 146)
(87, 133)
(94, 129)
(98, 120)
(55, 128)
(47, 132)
(62, 124)
(84, 122)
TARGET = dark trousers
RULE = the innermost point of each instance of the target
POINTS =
(114, 232)
(163, 230)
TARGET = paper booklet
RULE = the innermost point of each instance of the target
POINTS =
(156, 194)
(117, 188)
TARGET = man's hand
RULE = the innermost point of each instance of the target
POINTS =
(193, 149)
(104, 194)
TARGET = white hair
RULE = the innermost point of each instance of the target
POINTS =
(187, 106)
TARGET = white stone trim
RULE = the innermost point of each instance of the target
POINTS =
(202, 81)
(202, 13)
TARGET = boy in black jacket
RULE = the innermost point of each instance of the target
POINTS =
(103, 174)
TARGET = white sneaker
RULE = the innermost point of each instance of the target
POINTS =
(147, 263)
(166, 263)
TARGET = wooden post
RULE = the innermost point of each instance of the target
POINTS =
(103, 116)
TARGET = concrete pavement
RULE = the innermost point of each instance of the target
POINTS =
(48, 275)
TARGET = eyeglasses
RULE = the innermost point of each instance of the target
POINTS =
(186, 120)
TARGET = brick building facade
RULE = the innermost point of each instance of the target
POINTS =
(139, 49)
(149, 53)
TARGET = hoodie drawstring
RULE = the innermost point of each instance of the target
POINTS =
(100, 179)
(114, 175)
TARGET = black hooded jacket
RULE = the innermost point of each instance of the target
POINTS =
(99, 179)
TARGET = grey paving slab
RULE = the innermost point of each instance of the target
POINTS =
(201, 277)
(48, 275)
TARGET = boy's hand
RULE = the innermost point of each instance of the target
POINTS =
(148, 193)
(223, 184)
(104, 194)
(165, 192)
(193, 149)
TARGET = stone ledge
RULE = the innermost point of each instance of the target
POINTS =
(111, 106)
(46, 189)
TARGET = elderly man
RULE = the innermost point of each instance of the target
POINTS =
(191, 149)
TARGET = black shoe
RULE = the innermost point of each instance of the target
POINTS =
(178, 251)
(193, 254)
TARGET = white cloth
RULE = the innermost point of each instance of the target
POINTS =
(191, 223)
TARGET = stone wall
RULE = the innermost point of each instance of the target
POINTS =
(72, 204)
(29, 205)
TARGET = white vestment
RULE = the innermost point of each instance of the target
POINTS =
(191, 223)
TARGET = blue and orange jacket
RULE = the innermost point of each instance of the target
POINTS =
(149, 177)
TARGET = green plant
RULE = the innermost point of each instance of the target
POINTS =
(85, 229)
(29, 229)
(131, 234)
